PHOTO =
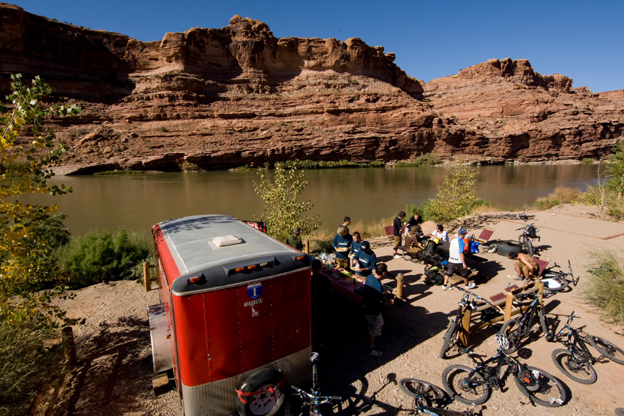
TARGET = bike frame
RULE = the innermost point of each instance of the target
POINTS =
(575, 341)
(492, 376)
(526, 318)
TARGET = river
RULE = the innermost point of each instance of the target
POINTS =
(364, 194)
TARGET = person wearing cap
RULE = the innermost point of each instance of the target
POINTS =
(372, 304)
(342, 245)
(457, 260)
(365, 259)
(294, 240)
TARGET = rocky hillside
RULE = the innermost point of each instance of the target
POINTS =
(238, 95)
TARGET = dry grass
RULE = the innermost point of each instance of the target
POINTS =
(561, 195)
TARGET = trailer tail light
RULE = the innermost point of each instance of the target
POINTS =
(299, 258)
(239, 269)
(197, 279)
(252, 267)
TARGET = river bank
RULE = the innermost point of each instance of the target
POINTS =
(114, 372)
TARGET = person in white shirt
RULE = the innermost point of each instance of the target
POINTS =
(457, 261)
(440, 233)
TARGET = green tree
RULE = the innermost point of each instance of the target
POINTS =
(283, 211)
(615, 169)
(456, 196)
(28, 237)
(26, 148)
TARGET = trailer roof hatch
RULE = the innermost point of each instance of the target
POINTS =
(227, 240)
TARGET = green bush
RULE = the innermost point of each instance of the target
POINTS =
(605, 287)
(428, 159)
(96, 257)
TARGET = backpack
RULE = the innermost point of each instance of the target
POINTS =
(532, 231)
(434, 276)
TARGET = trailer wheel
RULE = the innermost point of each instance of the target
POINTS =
(261, 394)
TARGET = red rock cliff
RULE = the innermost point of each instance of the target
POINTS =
(238, 95)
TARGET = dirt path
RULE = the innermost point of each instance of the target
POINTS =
(115, 369)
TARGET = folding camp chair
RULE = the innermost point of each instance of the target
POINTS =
(541, 263)
(485, 235)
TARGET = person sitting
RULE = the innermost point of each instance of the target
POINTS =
(440, 233)
(342, 245)
(294, 240)
(526, 267)
(415, 220)
(365, 259)
(412, 245)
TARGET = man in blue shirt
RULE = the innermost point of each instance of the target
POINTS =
(366, 259)
(372, 303)
(342, 245)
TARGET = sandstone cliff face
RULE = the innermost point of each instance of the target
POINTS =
(238, 95)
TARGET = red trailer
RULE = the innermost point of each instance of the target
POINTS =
(234, 319)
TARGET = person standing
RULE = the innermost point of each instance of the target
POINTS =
(346, 222)
(457, 261)
(366, 259)
(415, 220)
(356, 246)
(342, 245)
(372, 304)
(397, 225)
(294, 240)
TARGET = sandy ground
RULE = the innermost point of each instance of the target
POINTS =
(115, 369)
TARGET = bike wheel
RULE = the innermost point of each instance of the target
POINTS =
(418, 388)
(581, 372)
(468, 389)
(549, 391)
(511, 329)
(529, 245)
(608, 349)
(450, 338)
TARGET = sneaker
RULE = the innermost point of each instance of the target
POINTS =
(445, 287)
(518, 278)
(470, 286)
(375, 353)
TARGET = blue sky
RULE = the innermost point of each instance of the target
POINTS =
(583, 40)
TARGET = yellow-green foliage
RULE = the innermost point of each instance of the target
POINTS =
(28, 236)
(605, 287)
(615, 169)
(456, 196)
(561, 195)
(283, 211)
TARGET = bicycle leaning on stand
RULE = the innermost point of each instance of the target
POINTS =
(468, 301)
(313, 400)
(474, 385)
(517, 329)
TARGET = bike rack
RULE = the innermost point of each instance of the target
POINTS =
(510, 310)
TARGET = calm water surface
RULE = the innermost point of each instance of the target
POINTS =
(365, 194)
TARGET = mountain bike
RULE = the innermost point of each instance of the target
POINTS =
(529, 233)
(558, 280)
(517, 329)
(575, 361)
(424, 394)
(450, 337)
(313, 400)
(474, 385)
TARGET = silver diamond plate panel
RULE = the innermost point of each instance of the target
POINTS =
(219, 397)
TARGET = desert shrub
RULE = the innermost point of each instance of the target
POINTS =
(428, 159)
(456, 195)
(615, 169)
(25, 356)
(605, 287)
(99, 256)
(187, 166)
(561, 195)
(283, 211)
(587, 161)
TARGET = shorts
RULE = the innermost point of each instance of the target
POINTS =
(526, 270)
(451, 268)
(397, 242)
(375, 322)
